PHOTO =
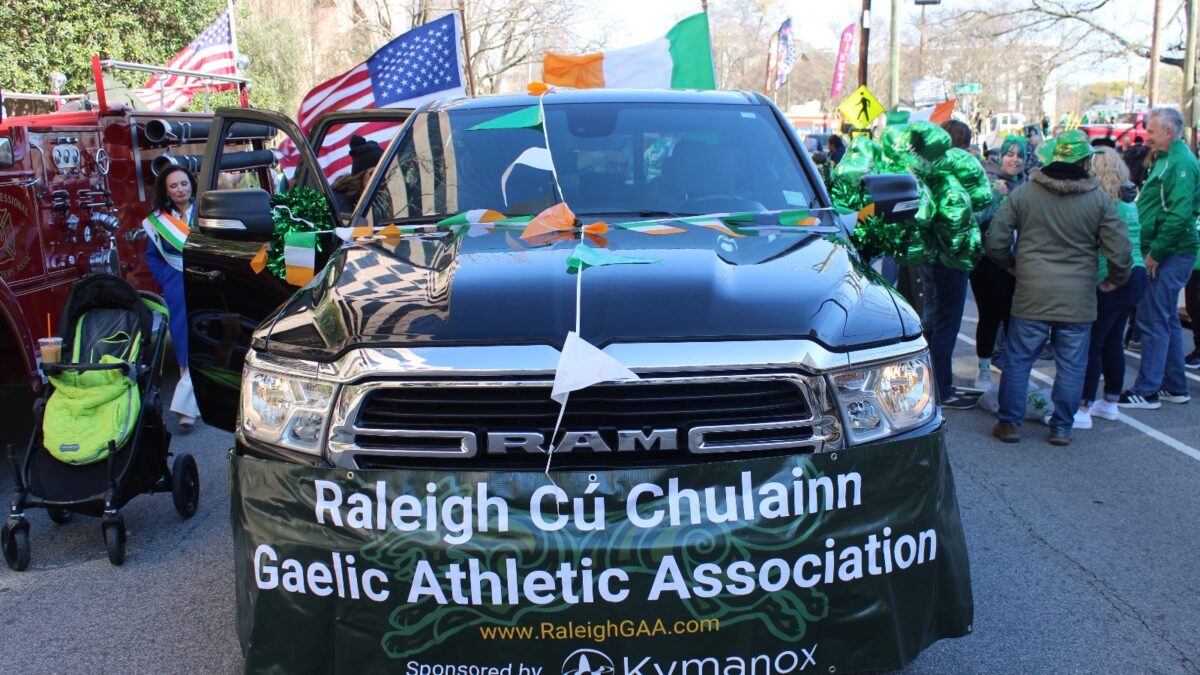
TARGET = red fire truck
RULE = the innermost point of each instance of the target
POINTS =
(74, 188)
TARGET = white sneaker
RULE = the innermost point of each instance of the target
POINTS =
(1083, 420)
(983, 380)
(1105, 410)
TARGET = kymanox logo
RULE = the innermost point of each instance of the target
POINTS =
(588, 662)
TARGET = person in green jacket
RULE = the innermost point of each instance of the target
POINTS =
(1062, 220)
(1167, 209)
(1106, 353)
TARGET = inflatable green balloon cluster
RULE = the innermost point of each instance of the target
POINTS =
(952, 186)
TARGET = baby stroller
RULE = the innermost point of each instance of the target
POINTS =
(99, 439)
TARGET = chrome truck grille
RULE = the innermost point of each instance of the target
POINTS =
(507, 423)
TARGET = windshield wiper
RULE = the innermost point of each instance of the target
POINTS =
(417, 220)
(640, 214)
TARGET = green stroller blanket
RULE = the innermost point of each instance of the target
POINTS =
(87, 410)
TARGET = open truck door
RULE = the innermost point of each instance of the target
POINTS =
(226, 298)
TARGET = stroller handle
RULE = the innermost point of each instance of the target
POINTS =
(56, 368)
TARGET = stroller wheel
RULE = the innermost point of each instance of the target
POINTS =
(185, 485)
(15, 541)
(60, 514)
(114, 538)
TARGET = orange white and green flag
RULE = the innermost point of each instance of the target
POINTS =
(300, 257)
(682, 59)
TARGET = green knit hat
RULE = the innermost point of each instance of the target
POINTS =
(1069, 146)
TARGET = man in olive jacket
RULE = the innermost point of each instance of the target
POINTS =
(1061, 218)
(1167, 209)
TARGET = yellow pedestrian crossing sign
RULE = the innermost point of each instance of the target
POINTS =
(860, 108)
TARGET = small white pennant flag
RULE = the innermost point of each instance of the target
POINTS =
(581, 364)
(538, 158)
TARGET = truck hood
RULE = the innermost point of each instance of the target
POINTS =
(492, 287)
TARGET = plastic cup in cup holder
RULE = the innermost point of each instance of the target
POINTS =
(51, 349)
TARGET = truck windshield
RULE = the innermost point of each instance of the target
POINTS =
(611, 159)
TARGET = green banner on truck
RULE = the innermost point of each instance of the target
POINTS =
(832, 562)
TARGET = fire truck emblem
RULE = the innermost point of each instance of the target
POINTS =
(8, 242)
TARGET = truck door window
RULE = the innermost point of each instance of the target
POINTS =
(6, 152)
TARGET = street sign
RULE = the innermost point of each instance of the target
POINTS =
(969, 88)
(929, 91)
(860, 108)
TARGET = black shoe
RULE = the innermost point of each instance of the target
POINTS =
(1169, 397)
(1131, 400)
(1060, 437)
(1192, 361)
(960, 402)
(1009, 433)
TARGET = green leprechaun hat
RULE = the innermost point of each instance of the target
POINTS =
(1069, 146)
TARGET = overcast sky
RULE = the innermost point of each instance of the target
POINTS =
(629, 22)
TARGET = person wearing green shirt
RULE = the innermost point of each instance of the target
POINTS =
(1106, 354)
(1167, 210)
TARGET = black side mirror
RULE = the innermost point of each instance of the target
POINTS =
(235, 214)
(895, 195)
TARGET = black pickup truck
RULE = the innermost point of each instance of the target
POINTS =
(428, 358)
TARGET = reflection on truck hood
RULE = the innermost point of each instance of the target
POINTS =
(498, 289)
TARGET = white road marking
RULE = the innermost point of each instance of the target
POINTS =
(1157, 435)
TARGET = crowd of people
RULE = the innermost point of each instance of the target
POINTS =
(1086, 250)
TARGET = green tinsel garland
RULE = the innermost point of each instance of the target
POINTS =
(301, 209)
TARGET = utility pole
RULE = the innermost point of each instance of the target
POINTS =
(921, 45)
(1153, 84)
(1189, 73)
(894, 56)
(864, 42)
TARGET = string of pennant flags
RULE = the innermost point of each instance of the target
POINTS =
(556, 223)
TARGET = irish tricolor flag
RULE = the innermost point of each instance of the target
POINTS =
(681, 60)
(300, 257)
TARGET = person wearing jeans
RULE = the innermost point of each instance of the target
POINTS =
(1161, 376)
(1191, 299)
(1167, 209)
(1113, 308)
(945, 294)
(1026, 339)
(1064, 220)
(1106, 354)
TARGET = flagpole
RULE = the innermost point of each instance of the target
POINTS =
(243, 94)
(462, 16)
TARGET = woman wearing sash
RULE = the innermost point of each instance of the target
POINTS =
(167, 228)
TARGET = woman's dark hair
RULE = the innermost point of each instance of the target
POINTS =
(161, 201)
(835, 142)
(960, 133)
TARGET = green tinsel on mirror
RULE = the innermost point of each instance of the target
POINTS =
(300, 209)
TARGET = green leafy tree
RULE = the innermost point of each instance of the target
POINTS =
(38, 37)
(278, 61)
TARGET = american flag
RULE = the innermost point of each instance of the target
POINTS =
(211, 52)
(420, 65)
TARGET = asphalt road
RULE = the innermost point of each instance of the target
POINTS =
(1083, 559)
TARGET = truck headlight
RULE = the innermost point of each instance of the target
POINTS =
(886, 399)
(285, 409)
